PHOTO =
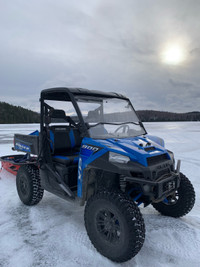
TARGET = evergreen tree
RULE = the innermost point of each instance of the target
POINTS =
(14, 114)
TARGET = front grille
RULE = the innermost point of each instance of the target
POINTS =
(156, 159)
(137, 174)
(163, 172)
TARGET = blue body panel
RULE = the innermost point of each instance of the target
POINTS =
(91, 149)
(87, 155)
(35, 133)
(133, 147)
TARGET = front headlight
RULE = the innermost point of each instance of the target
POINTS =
(171, 154)
(115, 157)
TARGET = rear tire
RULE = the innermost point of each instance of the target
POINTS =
(28, 185)
(114, 225)
(180, 203)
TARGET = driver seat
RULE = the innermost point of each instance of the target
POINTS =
(65, 144)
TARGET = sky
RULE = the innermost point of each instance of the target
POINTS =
(148, 50)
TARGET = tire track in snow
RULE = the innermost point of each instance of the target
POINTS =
(35, 241)
(66, 231)
(172, 240)
(195, 162)
(4, 262)
(53, 231)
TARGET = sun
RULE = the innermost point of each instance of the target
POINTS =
(173, 55)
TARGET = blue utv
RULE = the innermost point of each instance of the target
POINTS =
(93, 147)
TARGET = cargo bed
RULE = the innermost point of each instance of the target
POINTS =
(27, 143)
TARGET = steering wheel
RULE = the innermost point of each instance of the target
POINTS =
(125, 128)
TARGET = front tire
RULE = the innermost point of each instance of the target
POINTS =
(114, 225)
(180, 203)
(28, 185)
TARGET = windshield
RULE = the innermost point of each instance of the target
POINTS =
(109, 117)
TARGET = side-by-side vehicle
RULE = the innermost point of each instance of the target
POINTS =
(92, 147)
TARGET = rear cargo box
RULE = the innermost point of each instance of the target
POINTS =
(26, 143)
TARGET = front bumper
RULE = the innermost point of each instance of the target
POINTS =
(159, 189)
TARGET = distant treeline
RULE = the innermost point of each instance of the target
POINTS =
(14, 114)
(17, 114)
(152, 115)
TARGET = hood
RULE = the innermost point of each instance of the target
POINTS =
(138, 149)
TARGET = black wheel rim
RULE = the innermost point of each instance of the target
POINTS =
(108, 226)
(23, 186)
(172, 199)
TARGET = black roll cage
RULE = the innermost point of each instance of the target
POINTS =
(69, 94)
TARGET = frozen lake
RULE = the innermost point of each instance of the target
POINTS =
(53, 234)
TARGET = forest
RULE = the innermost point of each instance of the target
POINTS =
(152, 115)
(17, 114)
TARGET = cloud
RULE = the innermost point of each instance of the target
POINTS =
(181, 84)
(102, 45)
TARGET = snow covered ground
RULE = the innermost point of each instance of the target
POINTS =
(53, 234)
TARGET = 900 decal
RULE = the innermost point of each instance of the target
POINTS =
(93, 148)
(88, 150)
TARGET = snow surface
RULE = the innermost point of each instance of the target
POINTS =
(53, 233)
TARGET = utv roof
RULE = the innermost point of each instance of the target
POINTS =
(65, 93)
